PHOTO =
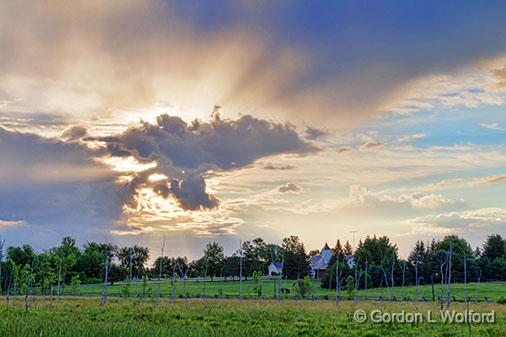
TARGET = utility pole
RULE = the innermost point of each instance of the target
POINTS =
(354, 232)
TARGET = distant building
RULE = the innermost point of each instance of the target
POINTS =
(350, 261)
(276, 269)
(319, 263)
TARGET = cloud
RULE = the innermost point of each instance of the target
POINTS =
(500, 76)
(289, 188)
(56, 188)
(343, 149)
(361, 196)
(31, 159)
(371, 144)
(74, 133)
(314, 133)
(493, 126)
(11, 223)
(152, 213)
(53, 62)
(469, 219)
(465, 183)
(488, 180)
(184, 152)
(282, 167)
(409, 138)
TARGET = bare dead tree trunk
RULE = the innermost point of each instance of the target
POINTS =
(478, 288)
(392, 273)
(465, 277)
(416, 279)
(449, 276)
(465, 292)
(386, 282)
(337, 283)
(173, 290)
(160, 273)
(51, 295)
(403, 280)
(240, 271)
(432, 285)
(7, 294)
(59, 274)
(16, 290)
(131, 257)
(2, 244)
(205, 277)
(184, 287)
(356, 282)
(365, 281)
(443, 277)
(106, 274)
(28, 284)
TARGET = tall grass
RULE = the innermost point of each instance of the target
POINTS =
(84, 317)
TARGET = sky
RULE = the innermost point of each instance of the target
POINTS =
(197, 121)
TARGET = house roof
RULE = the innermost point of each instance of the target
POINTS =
(315, 259)
(317, 263)
(278, 265)
(326, 247)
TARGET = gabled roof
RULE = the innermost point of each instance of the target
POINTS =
(315, 259)
(278, 265)
(326, 247)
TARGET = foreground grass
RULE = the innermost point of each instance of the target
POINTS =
(84, 317)
(487, 291)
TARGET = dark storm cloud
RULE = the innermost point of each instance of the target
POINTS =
(74, 133)
(56, 188)
(282, 167)
(314, 133)
(185, 152)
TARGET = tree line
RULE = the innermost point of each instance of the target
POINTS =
(374, 263)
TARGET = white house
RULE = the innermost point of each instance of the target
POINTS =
(350, 261)
(276, 269)
(319, 263)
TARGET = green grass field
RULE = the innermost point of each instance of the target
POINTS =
(84, 317)
(487, 291)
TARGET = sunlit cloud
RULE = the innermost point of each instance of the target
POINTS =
(493, 126)
(464, 220)
(11, 223)
(136, 119)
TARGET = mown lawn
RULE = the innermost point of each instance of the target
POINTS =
(487, 291)
(83, 317)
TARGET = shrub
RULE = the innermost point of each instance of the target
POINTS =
(75, 284)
